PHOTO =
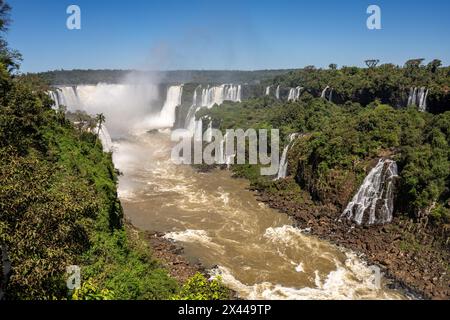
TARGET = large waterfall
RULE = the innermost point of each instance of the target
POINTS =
(268, 91)
(374, 202)
(418, 97)
(282, 169)
(124, 105)
(210, 97)
(168, 112)
(294, 94)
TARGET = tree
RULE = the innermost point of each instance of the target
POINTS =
(10, 58)
(414, 63)
(434, 65)
(333, 66)
(372, 63)
(100, 121)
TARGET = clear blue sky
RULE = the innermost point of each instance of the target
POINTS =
(232, 34)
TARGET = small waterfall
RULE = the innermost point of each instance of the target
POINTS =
(374, 202)
(324, 93)
(55, 97)
(222, 157)
(190, 117)
(277, 93)
(282, 169)
(418, 97)
(268, 91)
(294, 94)
(209, 135)
(105, 139)
(173, 100)
(198, 131)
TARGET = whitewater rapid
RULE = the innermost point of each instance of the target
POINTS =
(256, 250)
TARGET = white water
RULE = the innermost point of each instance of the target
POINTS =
(124, 106)
(294, 94)
(168, 112)
(418, 97)
(282, 170)
(219, 94)
(374, 202)
(218, 220)
(105, 139)
(324, 93)
(268, 91)
(211, 96)
(277, 93)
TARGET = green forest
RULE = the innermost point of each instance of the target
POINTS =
(59, 205)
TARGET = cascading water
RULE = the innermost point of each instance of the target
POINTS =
(324, 94)
(105, 138)
(277, 93)
(374, 202)
(268, 91)
(282, 169)
(173, 100)
(190, 117)
(219, 94)
(294, 94)
(55, 97)
(210, 97)
(123, 105)
(418, 97)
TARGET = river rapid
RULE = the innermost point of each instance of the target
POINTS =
(219, 222)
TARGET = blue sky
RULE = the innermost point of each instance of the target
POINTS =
(232, 34)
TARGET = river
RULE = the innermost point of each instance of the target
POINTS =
(219, 222)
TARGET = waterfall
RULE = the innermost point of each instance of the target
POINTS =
(105, 139)
(294, 94)
(173, 100)
(374, 202)
(282, 169)
(190, 117)
(291, 96)
(268, 91)
(418, 97)
(209, 135)
(324, 92)
(210, 97)
(222, 156)
(55, 98)
(219, 94)
(277, 93)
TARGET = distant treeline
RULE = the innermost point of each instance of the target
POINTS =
(388, 83)
(75, 77)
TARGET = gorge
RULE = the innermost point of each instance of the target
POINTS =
(212, 214)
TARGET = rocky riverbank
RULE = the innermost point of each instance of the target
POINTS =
(412, 253)
(171, 256)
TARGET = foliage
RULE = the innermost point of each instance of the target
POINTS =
(339, 142)
(90, 291)
(59, 206)
(200, 288)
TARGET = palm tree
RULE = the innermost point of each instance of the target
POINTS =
(100, 118)
(100, 121)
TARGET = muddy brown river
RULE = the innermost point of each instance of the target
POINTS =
(220, 223)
